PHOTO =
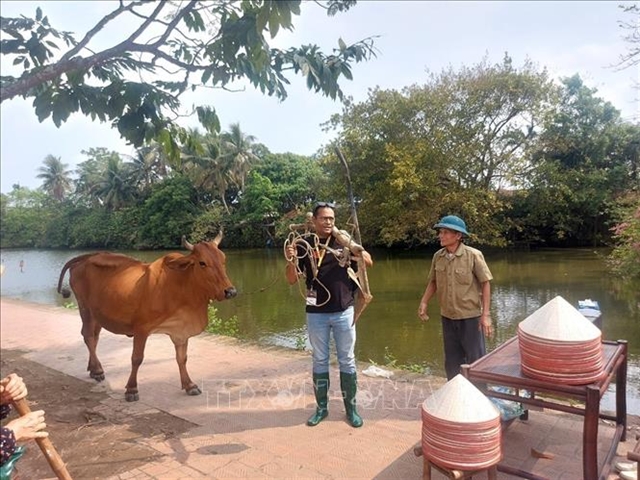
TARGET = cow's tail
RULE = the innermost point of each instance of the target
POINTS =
(66, 292)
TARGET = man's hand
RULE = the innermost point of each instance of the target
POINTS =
(291, 253)
(366, 256)
(486, 325)
(422, 312)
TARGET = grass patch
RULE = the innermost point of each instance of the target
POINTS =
(390, 361)
(229, 327)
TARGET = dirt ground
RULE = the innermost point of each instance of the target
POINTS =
(98, 436)
(93, 433)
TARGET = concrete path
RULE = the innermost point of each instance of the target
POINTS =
(251, 415)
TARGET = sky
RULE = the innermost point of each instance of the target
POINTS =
(415, 38)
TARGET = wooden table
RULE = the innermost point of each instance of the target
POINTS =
(501, 367)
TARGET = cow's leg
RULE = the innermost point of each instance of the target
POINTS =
(91, 333)
(139, 342)
(181, 357)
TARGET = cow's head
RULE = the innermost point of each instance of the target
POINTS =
(206, 264)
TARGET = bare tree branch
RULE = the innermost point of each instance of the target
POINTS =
(146, 23)
(174, 22)
(99, 26)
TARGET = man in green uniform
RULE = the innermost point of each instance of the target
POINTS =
(460, 277)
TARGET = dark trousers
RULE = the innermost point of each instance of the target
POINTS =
(463, 343)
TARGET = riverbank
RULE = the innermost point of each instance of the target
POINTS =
(249, 420)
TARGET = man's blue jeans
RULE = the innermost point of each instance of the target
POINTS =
(320, 326)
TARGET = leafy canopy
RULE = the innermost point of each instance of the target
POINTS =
(172, 47)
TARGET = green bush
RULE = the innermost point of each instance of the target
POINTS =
(624, 260)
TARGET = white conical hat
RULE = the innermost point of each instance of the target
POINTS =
(460, 401)
(559, 320)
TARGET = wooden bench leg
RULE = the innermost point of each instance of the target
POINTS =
(493, 473)
(426, 469)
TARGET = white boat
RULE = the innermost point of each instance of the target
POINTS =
(591, 310)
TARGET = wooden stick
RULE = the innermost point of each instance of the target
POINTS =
(50, 453)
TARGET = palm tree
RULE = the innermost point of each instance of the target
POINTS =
(56, 178)
(237, 150)
(115, 189)
(206, 168)
(91, 174)
(149, 165)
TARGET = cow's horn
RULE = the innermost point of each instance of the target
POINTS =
(216, 241)
(186, 244)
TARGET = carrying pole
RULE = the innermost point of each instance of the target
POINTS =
(50, 453)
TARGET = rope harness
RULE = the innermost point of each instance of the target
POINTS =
(316, 253)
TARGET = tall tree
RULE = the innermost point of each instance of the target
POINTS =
(56, 178)
(91, 173)
(208, 43)
(116, 187)
(582, 162)
(148, 166)
(443, 147)
(237, 149)
(208, 171)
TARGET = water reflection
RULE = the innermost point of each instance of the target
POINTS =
(270, 310)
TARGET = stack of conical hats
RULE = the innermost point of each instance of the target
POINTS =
(461, 427)
(558, 344)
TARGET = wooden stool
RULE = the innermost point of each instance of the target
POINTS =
(492, 472)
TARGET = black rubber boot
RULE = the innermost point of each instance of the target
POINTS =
(349, 386)
(321, 389)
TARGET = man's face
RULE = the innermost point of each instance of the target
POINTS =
(448, 237)
(323, 221)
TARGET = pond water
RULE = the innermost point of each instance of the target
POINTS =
(270, 311)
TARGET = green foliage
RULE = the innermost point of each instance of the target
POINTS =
(58, 225)
(582, 161)
(294, 179)
(445, 147)
(212, 44)
(519, 160)
(56, 179)
(24, 218)
(624, 260)
(216, 325)
(258, 200)
(207, 224)
(89, 228)
(392, 362)
(300, 342)
(168, 213)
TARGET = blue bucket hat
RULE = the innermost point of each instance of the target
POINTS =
(452, 223)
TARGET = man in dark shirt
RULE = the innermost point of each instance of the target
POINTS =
(330, 307)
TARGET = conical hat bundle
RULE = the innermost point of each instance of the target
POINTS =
(558, 320)
(461, 427)
(557, 343)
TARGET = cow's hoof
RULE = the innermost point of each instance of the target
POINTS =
(98, 377)
(194, 390)
(131, 397)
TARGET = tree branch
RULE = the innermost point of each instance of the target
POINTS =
(174, 22)
(53, 71)
(145, 24)
(99, 26)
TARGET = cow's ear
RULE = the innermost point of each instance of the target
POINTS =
(180, 263)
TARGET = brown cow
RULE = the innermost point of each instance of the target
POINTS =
(129, 297)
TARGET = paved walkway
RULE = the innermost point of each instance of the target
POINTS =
(254, 404)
